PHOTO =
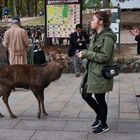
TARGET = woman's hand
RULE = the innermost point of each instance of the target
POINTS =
(80, 54)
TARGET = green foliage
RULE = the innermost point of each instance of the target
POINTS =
(41, 6)
(24, 9)
(87, 4)
(10, 6)
(90, 4)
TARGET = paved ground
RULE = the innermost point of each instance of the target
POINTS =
(70, 117)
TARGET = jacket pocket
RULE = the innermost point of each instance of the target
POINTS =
(97, 69)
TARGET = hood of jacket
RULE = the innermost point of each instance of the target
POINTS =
(108, 32)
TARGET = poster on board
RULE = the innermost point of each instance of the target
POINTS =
(62, 1)
(62, 19)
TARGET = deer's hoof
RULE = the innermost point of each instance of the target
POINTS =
(38, 115)
(13, 116)
(1, 115)
(45, 113)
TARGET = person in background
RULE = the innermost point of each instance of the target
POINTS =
(78, 42)
(0, 12)
(136, 32)
(0, 38)
(39, 55)
(6, 13)
(99, 54)
(16, 41)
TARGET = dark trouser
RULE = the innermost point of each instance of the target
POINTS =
(138, 49)
(99, 105)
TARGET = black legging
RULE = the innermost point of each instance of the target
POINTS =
(99, 105)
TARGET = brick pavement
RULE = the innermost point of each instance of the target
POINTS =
(70, 118)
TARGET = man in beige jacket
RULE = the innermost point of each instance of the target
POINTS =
(16, 41)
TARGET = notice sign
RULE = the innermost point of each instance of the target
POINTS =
(61, 19)
(62, 1)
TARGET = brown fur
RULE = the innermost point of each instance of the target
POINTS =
(34, 77)
(51, 52)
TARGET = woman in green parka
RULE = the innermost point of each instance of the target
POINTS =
(100, 53)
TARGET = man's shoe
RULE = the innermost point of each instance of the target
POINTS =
(96, 123)
(77, 74)
(101, 129)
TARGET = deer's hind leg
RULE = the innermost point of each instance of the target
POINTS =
(5, 99)
(1, 93)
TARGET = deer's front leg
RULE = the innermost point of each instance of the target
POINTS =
(42, 103)
(39, 109)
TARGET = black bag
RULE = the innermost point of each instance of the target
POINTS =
(111, 71)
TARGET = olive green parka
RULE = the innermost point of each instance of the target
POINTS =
(99, 54)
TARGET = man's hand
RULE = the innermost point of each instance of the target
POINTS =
(78, 40)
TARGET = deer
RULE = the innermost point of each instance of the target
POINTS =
(31, 76)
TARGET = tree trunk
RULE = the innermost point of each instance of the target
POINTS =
(5, 3)
(36, 10)
(106, 3)
(21, 8)
(14, 7)
(28, 7)
(31, 8)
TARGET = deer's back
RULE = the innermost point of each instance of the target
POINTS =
(21, 75)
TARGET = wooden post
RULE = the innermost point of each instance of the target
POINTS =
(106, 3)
